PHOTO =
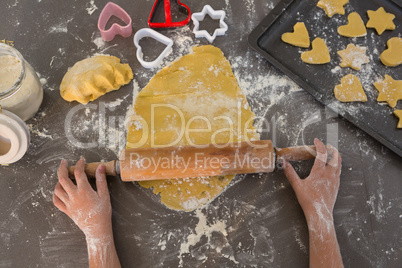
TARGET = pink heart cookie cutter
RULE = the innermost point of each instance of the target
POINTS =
(112, 9)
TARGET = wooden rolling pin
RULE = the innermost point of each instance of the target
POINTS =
(143, 164)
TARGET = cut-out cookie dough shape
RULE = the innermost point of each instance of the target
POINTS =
(93, 77)
(299, 37)
(319, 54)
(393, 55)
(380, 20)
(353, 56)
(332, 7)
(354, 28)
(398, 114)
(350, 90)
(390, 90)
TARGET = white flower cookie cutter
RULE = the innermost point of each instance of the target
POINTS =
(214, 14)
(146, 32)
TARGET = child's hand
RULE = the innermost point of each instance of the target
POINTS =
(317, 193)
(90, 210)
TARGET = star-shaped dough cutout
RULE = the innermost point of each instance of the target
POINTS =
(353, 56)
(398, 114)
(332, 7)
(380, 20)
(390, 90)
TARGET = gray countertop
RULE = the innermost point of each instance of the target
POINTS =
(256, 221)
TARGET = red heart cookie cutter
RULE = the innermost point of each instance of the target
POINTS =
(168, 15)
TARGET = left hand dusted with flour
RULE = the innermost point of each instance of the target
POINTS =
(90, 210)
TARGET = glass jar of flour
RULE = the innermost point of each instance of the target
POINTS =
(20, 89)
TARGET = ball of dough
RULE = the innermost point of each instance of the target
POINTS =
(93, 77)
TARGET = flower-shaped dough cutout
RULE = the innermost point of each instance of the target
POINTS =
(390, 90)
(350, 90)
(380, 20)
(354, 28)
(393, 55)
(332, 7)
(353, 56)
(319, 54)
(398, 114)
(299, 37)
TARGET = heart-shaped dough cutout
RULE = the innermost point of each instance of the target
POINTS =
(319, 53)
(299, 37)
(350, 90)
(354, 28)
(393, 55)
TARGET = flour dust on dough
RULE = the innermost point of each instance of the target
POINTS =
(350, 90)
(353, 57)
(93, 77)
(200, 91)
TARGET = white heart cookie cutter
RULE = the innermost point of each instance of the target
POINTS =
(214, 14)
(146, 32)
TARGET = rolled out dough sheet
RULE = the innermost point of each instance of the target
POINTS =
(199, 91)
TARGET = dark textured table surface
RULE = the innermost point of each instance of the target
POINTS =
(256, 221)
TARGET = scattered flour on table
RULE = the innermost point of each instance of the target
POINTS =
(91, 7)
(60, 27)
(203, 228)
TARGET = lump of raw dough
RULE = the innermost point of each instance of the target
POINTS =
(398, 114)
(319, 54)
(93, 77)
(199, 91)
(350, 90)
(354, 28)
(299, 37)
(380, 20)
(390, 90)
(353, 56)
(393, 55)
(332, 7)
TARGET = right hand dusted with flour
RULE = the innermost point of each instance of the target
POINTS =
(317, 195)
(90, 210)
(320, 188)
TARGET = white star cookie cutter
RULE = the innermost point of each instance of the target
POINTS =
(214, 14)
(146, 32)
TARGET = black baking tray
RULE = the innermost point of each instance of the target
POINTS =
(319, 80)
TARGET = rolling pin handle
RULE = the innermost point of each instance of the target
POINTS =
(300, 153)
(90, 169)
